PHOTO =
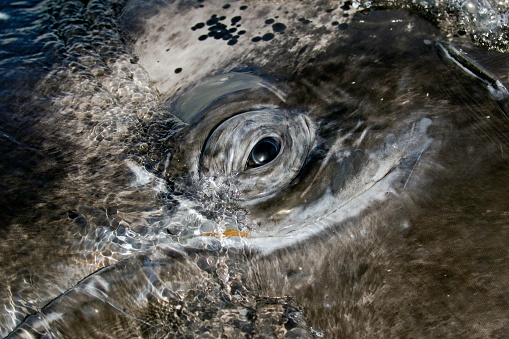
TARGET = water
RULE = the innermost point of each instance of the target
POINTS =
(131, 206)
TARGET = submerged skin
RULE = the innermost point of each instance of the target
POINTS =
(393, 224)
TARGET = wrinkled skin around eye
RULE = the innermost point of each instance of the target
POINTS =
(230, 146)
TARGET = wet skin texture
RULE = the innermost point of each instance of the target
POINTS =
(394, 224)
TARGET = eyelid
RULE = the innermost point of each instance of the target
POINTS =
(191, 105)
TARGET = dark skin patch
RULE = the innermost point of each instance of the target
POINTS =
(278, 27)
(268, 37)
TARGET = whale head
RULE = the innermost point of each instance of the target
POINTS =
(338, 105)
(263, 168)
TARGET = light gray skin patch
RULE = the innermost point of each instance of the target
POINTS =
(172, 27)
(393, 225)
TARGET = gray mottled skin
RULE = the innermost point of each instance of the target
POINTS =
(386, 218)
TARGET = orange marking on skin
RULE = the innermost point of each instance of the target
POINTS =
(228, 234)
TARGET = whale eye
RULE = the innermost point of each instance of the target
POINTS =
(263, 152)
(259, 151)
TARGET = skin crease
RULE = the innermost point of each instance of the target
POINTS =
(418, 251)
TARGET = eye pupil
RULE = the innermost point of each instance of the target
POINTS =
(264, 152)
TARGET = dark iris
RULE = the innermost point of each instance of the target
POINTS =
(263, 152)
